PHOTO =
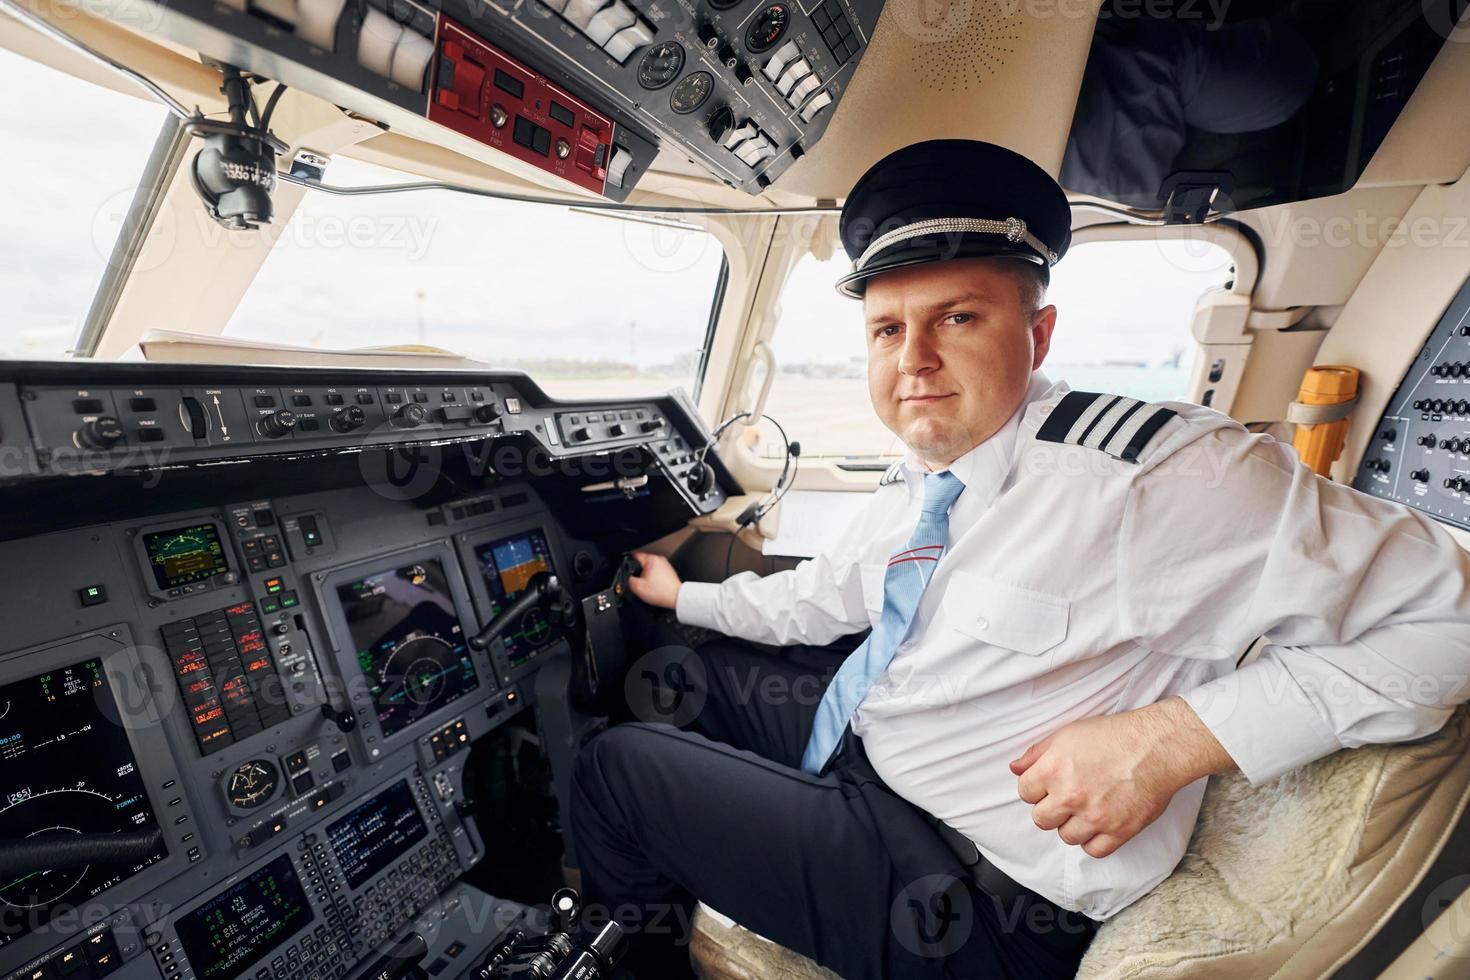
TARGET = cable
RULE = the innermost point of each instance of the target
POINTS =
(439, 185)
(270, 105)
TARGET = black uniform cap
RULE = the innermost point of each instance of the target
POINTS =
(951, 199)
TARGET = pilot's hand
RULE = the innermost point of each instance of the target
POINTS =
(1099, 781)
(658, 584)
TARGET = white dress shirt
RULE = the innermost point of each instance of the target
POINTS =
(1078, 585)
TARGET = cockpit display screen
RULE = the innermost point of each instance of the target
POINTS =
(409, 642)
(247, 922)
(376, 833)
(66, 769)
(507, 565)
(181, 555)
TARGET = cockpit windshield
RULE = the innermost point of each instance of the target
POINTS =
(590, 305)
(66, 197)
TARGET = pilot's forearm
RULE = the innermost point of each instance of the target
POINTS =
(1181, 742)
(1297, 704)
(815, 603)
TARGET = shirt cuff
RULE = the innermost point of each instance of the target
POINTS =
(696, 604)
(1263, 719)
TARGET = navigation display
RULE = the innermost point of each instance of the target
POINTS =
(507, 565)
(182, 555)
(410, 646)
(239, 927)
(369, 838)
(66, 769)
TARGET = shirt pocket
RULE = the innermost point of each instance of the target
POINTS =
(1006, 615)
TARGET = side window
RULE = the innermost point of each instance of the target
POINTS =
(1123, 312)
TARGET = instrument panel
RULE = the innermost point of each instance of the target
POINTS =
(1419, 454)
(237, 733)
(587, 91)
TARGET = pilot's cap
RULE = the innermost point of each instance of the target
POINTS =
(951, 199)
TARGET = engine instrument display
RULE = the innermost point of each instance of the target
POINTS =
(252, 784)
(181, 555)
(507, 565)
(409, 642)
(239, 927)
(66, 768)
(376, 833)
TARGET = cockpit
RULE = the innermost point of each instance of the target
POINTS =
(375, 374)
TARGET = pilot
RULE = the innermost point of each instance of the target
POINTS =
(1058, 587)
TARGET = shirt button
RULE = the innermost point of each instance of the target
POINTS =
(982, 623)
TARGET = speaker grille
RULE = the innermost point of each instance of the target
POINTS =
(958, 44)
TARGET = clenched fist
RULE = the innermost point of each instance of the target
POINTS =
(658, 584)
(1099, 781)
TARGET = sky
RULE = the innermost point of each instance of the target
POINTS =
(71, 164)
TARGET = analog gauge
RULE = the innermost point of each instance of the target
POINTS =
(691, 92)
(661, 65)
(252, 783)
(767, 27)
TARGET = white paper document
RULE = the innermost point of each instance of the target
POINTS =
(812, 522)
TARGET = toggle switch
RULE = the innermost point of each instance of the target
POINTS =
(746, 130)
(819, 102)
(629, 39)
(786, 54)
(804, 88)
(380, 34)
(794, 73)
(617, 167)
(608, 21)
(410, 58)
(316, 21)
(580, 12)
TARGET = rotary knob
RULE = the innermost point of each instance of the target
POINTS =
(347, 419)
(277, 424)
(100, 433)
(721, 123)
(411, 416)
(487, 413)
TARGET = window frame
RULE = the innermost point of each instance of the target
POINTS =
(1219, 328)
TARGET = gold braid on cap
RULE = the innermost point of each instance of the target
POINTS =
(1013, 228)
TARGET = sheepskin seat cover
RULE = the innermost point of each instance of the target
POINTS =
(1287, 879)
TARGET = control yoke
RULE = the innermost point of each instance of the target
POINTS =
(544, 589)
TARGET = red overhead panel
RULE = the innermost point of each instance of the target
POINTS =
(489, 96)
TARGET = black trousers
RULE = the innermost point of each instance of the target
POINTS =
(709, 804)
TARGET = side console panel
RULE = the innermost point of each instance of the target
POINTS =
(1420, 451)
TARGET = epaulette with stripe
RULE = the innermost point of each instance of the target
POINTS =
(1114, 424)
(892, 474)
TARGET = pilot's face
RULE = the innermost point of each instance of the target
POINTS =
(950, 352)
